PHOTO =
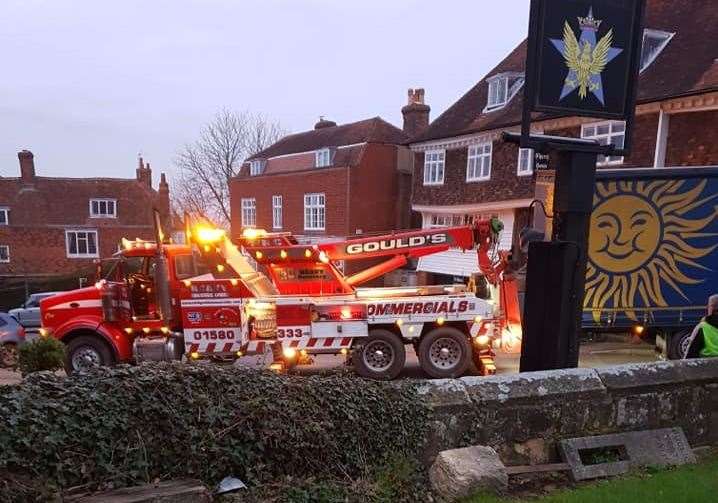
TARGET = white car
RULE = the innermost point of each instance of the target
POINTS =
(28, 315)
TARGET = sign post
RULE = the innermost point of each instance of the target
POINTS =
(583, 59)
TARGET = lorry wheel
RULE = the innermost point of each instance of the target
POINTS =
(380, 356)
(445, 352)
(678, 344)
(86, 352)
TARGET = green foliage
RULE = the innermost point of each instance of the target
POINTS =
(128, 425)
(44, 353)
(397, 480)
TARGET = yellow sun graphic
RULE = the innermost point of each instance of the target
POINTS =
(640, 241)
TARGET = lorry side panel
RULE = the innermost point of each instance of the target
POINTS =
(653, 248)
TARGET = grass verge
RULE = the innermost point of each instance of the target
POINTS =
(687, 484)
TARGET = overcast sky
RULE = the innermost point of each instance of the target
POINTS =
(87, 84)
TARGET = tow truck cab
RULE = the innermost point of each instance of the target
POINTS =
(100, 324)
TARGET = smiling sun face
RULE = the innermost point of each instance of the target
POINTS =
(639, 242)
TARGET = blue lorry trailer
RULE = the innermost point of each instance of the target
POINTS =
(653, 252)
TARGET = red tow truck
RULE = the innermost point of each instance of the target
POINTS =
(216, 299)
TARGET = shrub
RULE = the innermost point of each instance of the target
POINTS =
(44, 353)
(128, 425)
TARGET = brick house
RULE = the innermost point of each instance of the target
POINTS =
(51, 227)
(464, 170)
(333, 181)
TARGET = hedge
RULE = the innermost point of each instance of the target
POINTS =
(128, 425)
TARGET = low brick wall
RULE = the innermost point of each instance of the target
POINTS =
(524, 415)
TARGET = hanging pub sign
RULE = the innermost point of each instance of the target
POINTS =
(583, 57)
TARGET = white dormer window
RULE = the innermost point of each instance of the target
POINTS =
(498, 92)
(103, 208)
(654, 41)
(255, 167)
(322, 158)
(502, 88)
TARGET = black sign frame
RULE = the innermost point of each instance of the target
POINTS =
(535, 46)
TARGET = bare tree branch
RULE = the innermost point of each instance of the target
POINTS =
(206, 167)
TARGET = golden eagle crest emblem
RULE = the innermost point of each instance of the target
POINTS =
(586, 57)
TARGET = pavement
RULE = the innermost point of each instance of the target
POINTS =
(592, 355)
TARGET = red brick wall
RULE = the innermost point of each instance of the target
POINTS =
(292, 187)
(644, 141)
(358, 197)
(41, 211)
(41, 251)
(375, 191)
(693, 139)
(504, 183)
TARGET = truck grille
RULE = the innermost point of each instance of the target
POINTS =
(266, 327)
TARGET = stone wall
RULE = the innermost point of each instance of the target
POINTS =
(524, 415)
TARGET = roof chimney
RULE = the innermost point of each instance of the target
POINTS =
(164, 201)
(27, 166)
(416, 113)
(143, 173)
(324, 123)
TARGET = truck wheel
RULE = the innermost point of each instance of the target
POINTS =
(678, 344)
(86, 352)
(445, 352)
(380, 356)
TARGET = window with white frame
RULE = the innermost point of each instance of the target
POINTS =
(498, 92)
(314, 212)
(81, 243)
(4, 216)
(607, 133)
(103, 208)
(277, 212)
(525, 162)
(478, 165)
(255, 167)
(249, 212)
(437, 221)
(4, 254)
(323, 158)
(434, 167)
(654, 41)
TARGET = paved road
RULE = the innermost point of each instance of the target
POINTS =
(593, 354)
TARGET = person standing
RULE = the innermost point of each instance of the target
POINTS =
(704, 339)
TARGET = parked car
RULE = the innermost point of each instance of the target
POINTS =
(12, 335)
(29, 313)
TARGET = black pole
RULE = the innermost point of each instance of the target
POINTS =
(573, 202)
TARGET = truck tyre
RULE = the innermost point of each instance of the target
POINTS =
(445, 352)
(86, 352)
(380, 356)
(678, 344)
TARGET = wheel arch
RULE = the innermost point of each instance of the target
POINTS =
(96, 332)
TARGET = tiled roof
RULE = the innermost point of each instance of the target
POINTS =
(375, 130)
(687, 65)
(64, 201)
